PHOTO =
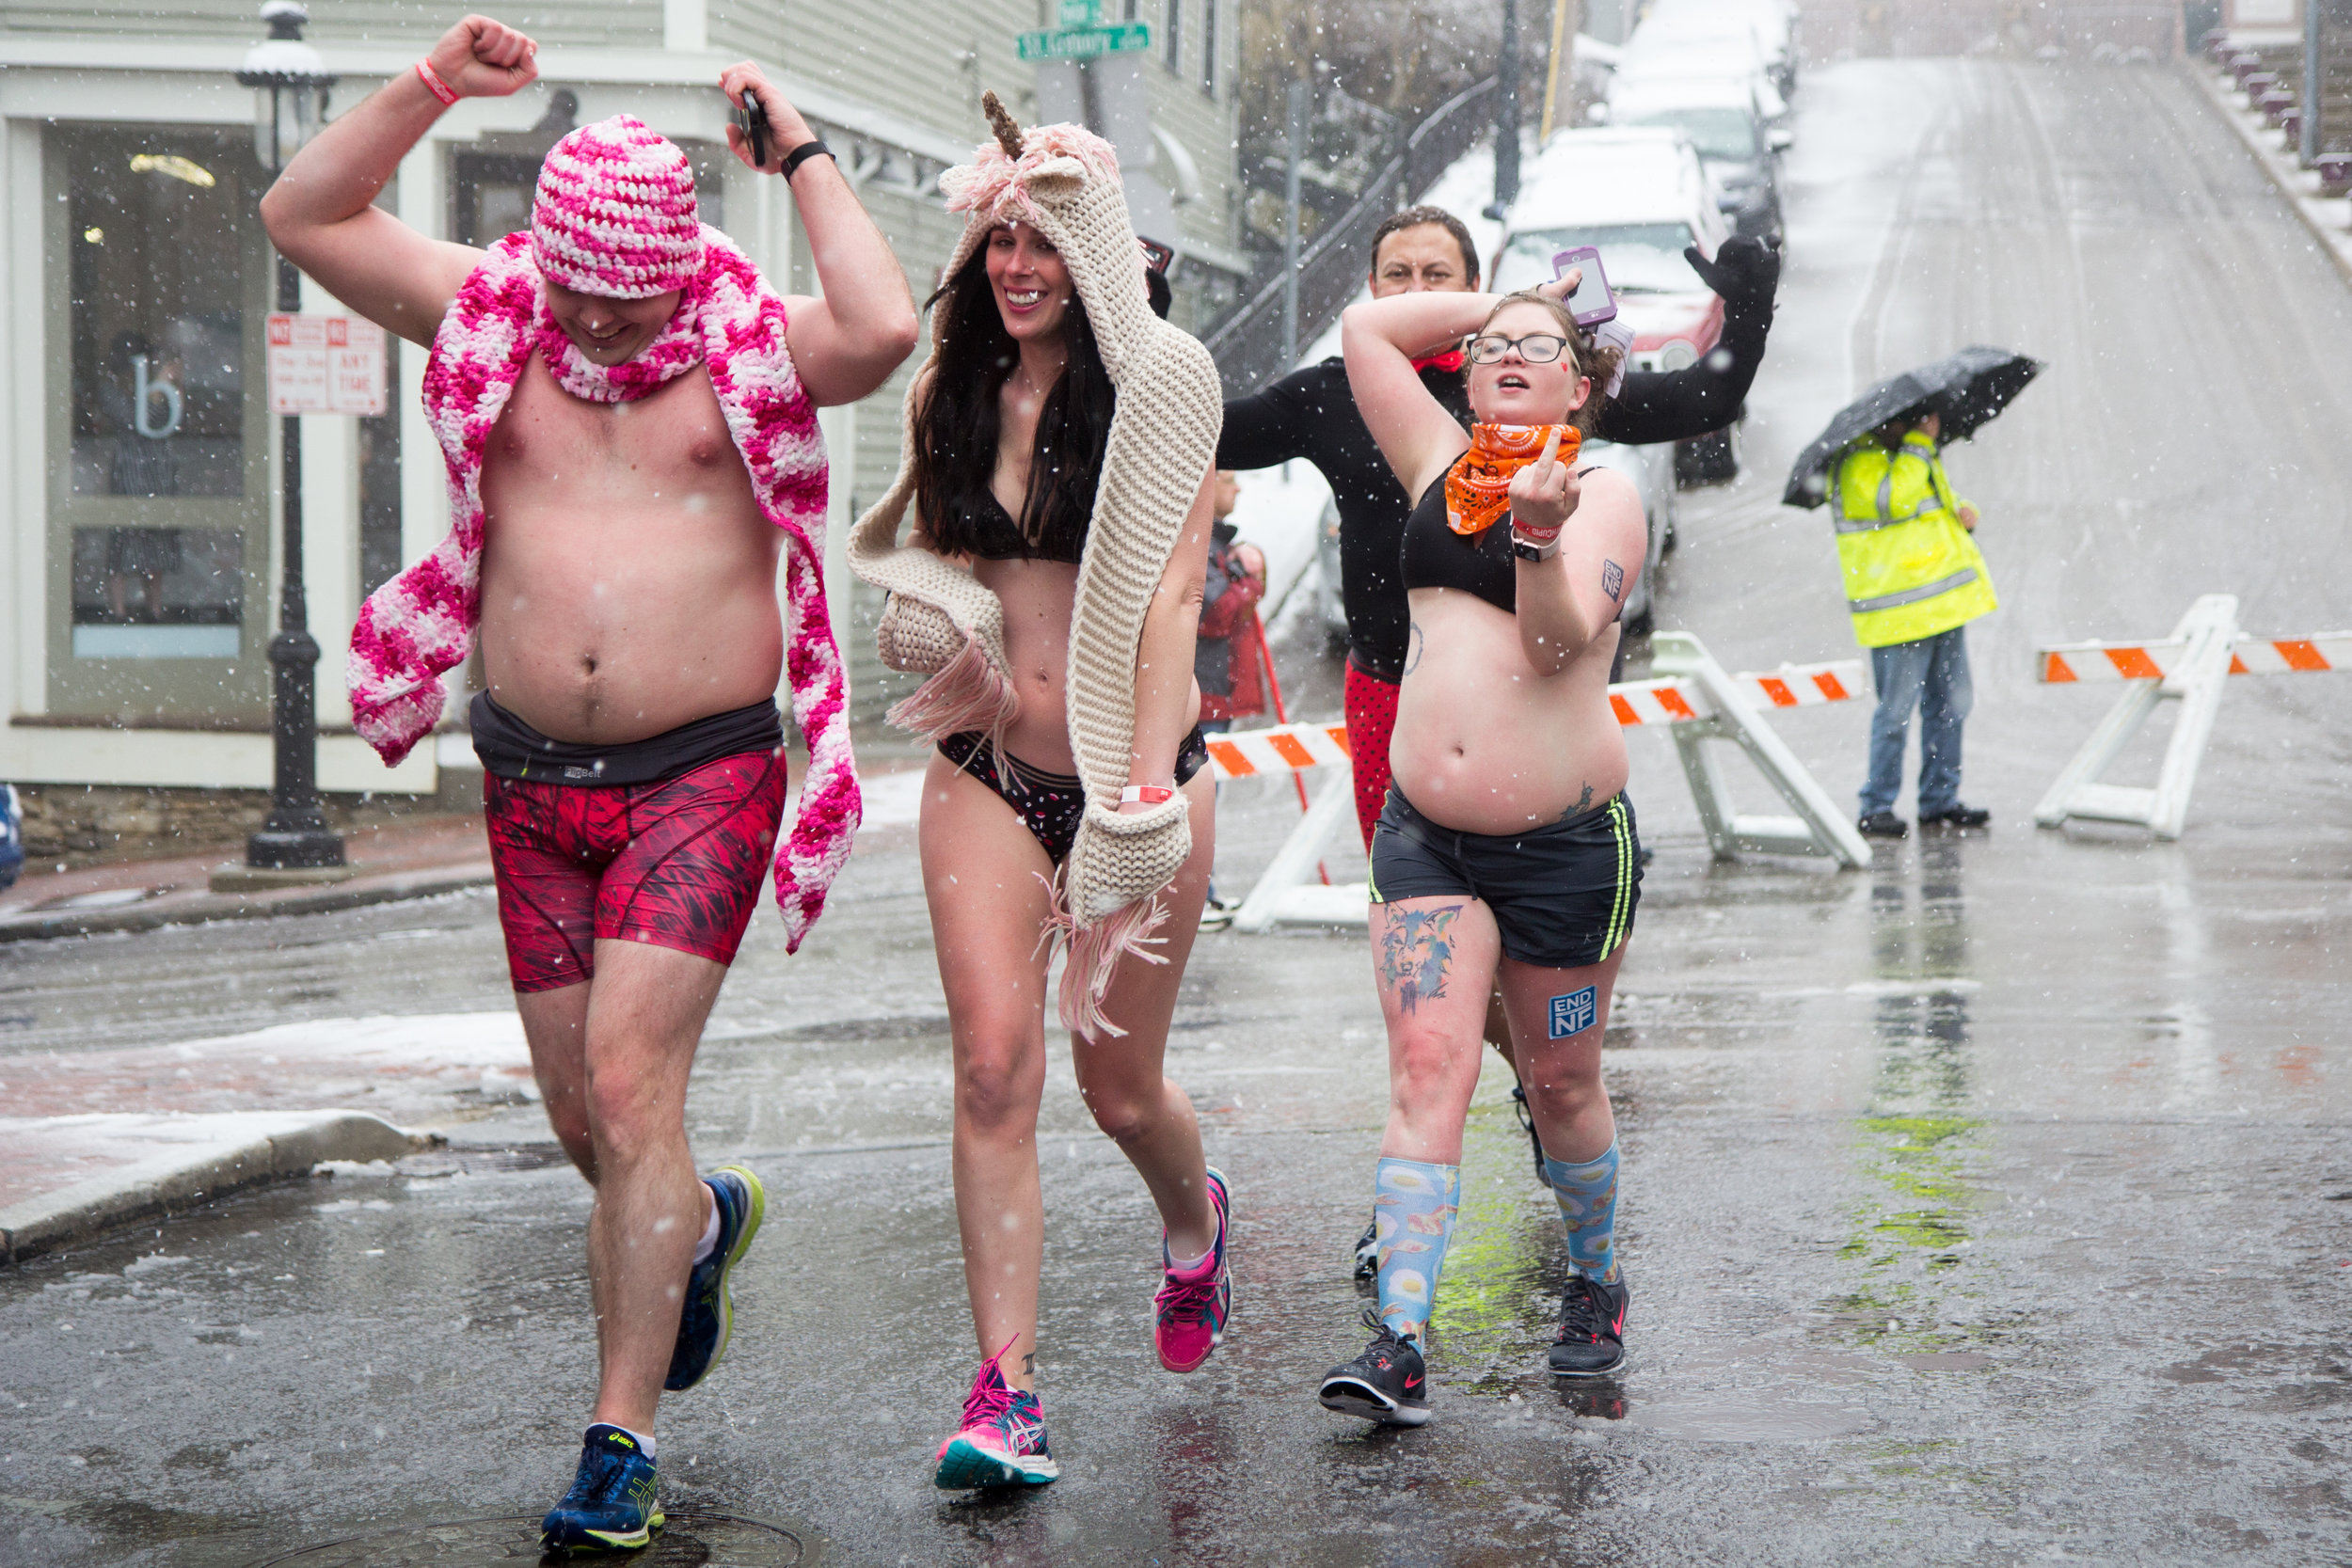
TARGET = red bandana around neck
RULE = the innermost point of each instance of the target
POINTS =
(1478, 486)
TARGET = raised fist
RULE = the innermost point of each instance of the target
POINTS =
(1745, 271)
(482, 58)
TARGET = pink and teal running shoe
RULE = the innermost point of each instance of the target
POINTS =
(1194, 1305)
(1003, 1440)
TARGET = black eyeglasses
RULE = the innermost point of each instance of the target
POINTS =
(1536, 348)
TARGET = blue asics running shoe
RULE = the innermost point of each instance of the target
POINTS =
(1002, 1442)
(611, 1506)
(709, 1315)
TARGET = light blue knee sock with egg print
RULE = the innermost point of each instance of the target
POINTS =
(1586, 1192)
(1414, 1203)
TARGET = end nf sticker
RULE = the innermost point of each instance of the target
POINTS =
(1572, 1014)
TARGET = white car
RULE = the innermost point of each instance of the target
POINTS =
(1726, 122)
(1729, 58)
(1768, 26)
(1641, 196)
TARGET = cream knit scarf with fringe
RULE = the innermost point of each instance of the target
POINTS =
(1163, 438)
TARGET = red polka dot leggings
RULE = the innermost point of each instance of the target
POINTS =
(1371, 720)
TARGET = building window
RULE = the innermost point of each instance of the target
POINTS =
(1208, 47)
(1176, 34)
(158, 328)
(380, 484)
(159, 535)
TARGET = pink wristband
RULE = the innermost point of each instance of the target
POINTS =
(432, 80)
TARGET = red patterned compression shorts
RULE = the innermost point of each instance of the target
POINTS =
(679, 864)
(1371, 720)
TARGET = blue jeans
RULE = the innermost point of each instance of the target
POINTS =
(1933, 675)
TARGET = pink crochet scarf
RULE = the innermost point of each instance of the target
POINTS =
(421, 623)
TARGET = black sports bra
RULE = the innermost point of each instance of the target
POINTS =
(987, 532)
(1436, 557)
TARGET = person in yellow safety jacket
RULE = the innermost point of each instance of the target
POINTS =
(1914, 580)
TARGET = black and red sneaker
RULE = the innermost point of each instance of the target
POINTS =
(1386, 1384)
(1591, 1341)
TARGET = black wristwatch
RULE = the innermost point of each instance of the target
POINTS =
(803, 153)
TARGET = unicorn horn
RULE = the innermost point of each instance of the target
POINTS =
(1006, 128)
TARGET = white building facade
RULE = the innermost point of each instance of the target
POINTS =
(138, 497)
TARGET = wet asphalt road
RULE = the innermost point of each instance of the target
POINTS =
(1989, 1206)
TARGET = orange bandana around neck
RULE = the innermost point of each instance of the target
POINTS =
(1478, 486)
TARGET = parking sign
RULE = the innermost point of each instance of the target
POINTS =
(324, 365)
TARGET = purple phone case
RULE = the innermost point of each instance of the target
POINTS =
(1588, 257)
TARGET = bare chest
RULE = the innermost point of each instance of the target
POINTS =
(670, 448)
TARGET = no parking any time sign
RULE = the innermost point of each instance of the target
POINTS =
(324, 365)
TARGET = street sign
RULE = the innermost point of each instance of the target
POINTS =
(1086, 43)
(324, 365)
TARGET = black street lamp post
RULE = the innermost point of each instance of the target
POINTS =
(1507, 117)
(290, 82)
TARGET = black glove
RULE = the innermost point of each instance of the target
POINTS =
(1745, 272)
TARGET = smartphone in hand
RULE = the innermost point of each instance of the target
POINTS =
(1593, 302)
(751, 118)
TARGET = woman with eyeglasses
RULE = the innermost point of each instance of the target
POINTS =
(1506, 847)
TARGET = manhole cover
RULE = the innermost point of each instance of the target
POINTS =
(689, 1541)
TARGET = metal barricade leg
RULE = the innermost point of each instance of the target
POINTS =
(2210, 628)
(1295, 862)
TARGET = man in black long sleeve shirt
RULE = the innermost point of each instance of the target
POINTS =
(1311, 414)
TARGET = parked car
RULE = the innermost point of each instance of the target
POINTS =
(1725, 125)
(1642, 196)
(1729, 59)
(1767, 28)
(1652, 470)
(1330, 608)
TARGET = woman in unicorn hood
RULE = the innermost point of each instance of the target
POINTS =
(1057, 464)
(628, 414)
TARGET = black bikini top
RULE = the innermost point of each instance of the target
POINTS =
(1480, 564)
(987, 532)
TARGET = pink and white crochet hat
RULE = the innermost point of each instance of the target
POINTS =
(614, 213)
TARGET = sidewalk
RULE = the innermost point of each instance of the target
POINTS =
(2330, 219)
(407, 860)
(95, 1139)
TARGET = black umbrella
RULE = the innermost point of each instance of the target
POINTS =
(1967, 389)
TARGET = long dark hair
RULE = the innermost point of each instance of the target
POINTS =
(957, 428)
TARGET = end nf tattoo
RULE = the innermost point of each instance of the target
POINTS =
(1573, 1014)
(1612, 578)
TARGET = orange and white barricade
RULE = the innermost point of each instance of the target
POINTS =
(2191, 667)
(1692, 697)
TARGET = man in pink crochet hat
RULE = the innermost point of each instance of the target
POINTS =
(628, 414)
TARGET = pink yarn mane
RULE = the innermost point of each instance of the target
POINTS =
(996, 185)
(421, 623)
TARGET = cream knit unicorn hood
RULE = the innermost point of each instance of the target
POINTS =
(1063, 181)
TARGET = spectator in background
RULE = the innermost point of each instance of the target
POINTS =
(11, 836)
(1225, 661)
(1913, 579)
